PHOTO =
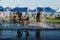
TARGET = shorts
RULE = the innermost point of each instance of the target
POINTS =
(38, 20)
(27, 18)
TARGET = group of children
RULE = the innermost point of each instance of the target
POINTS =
(25, 19)
(18, 17)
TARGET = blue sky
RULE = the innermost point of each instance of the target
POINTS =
(55, 4)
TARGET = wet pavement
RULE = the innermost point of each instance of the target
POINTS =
(44, 34)
(29, 26)
(55, 25)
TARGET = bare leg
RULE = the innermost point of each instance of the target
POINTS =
(38, 24)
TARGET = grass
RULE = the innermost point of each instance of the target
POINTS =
(43, 20)
(48, 20)
(52, 20)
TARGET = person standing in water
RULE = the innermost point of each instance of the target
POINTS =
(27, 18)
(19, 13)
(19, 33)
(14, 18)
(38, 18)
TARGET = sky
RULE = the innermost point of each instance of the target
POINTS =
(32, 4)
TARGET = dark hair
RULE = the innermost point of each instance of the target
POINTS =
(18, 12)
(38, 13)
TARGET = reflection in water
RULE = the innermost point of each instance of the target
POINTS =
(19, 34)
(44, 34)
(38, 34)
(27, 35)
(0, 29)
(38, 24)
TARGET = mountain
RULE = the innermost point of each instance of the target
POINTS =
(8, 8)
(39, 8)
(2, 8)
(48, 9)
(34, 10)
(23, 9)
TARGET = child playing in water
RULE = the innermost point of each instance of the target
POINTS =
(38, 18)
